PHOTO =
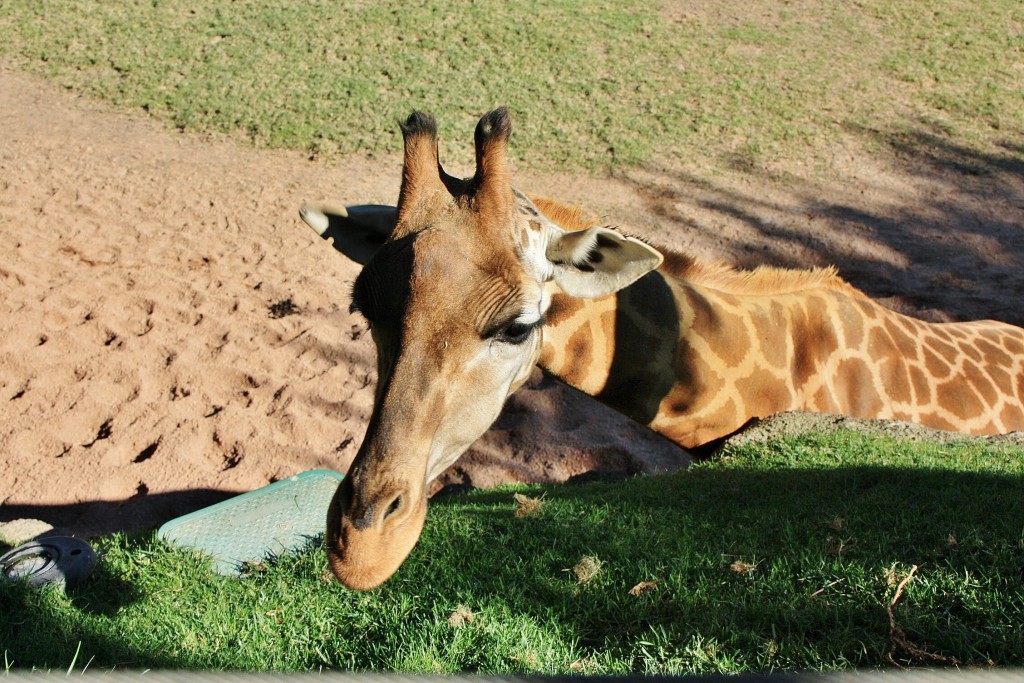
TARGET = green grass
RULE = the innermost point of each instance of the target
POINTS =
(830, 525)
(591, 85)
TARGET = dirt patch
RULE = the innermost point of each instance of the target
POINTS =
(171, 334)
(797, 423)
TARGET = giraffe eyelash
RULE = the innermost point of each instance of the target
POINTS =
(514, 332)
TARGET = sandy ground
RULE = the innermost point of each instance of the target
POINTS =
(172, 334)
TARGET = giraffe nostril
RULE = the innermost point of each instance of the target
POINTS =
(394, 507)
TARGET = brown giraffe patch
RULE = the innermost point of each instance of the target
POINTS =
(855, 389)
(763, 393)
(579, 350)
(727, 418)
(981, 383)
(1002, 380)
(950, 350)
(853, 328)
(897, 382)
(735, 349)
(823, 401)
(959, 399)
(910, 325)
(562, 308)
(937, 366)
(951, 333)
(937, 421)
(693, 379)
(993, 353)
(813, 341)
(905, 344)
(1012, 415)
(767, 327)
(878, 341)
(1013, 346)
(704, 319)
(868, 310)
(968, 349)
(922, 387)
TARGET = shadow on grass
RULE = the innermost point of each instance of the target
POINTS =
(50, 629)
(755, 568)
(798, 563)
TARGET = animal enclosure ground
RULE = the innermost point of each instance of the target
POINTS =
(170, 333)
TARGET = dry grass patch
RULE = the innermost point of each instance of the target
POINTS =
(526, 506)
(587, 569)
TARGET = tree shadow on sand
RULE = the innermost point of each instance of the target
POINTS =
(930, 227)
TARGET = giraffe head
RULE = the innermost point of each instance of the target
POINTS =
(455, 299)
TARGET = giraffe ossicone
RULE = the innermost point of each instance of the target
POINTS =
(469, 283)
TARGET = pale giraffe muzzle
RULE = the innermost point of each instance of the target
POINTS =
(365, 549)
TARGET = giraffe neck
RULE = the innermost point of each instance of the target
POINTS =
(671, 355)
(617, 348)
(696, 363)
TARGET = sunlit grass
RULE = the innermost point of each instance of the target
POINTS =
(591, 85)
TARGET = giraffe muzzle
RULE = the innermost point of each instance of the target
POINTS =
(368, 537)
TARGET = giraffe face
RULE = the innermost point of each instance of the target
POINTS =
(455, 337)
(455, 300)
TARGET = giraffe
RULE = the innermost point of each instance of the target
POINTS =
(469, 283)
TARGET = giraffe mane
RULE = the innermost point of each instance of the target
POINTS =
(565, 216)
(712, 273)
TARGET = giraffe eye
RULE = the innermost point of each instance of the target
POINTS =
(517, 332)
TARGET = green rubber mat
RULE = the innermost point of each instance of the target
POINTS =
(280, 518)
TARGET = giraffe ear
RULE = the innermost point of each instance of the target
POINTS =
(597, 261)
(357, 231)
